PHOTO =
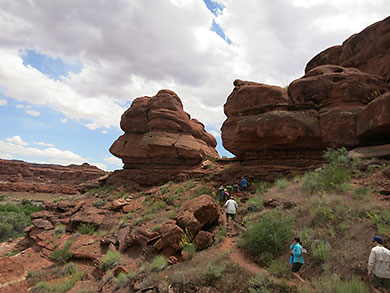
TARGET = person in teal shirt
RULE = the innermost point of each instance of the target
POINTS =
(296, 258)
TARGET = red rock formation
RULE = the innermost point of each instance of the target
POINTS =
(342, 100)
(19, 176)
(367, 51)
(160, 140)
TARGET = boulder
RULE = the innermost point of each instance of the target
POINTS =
(159, 136)
(89, 215)
(377, 152)
(170, 235)
(197, 213)
(203, 240)
(367, 51)
(86, 247)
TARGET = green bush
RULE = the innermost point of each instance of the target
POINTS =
(362, 193)
(189, 184)
(110, 260)
(267, 237)
(199, 190)
(14, 218)
(190, 249)
(58, 230)
(334, 175)
(123, 280)
(382, 222)
(212, 273)
(279, 269)
(260, 283)
(281, 183)
(262, 186)
(320, 252)
(62, 255)
(334, 284)
(88, 229)
(255, 204)
(158, 263)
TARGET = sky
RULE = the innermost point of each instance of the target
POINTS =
(70, 68)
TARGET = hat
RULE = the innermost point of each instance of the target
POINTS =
(378, 239)
(221, 187)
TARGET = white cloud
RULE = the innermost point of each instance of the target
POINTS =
(124, 56)
(64, 120)
(104, 131)
(17, 140)
(16, 147)
(3, 102)
(33, 113)
(215, 133)
(113, 161)
(41, 143)
(19, 106)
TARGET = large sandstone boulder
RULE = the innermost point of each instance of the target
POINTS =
(367, 51)
(160, 140)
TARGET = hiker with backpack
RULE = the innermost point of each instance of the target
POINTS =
(296, 258)
(235, 189)
(231, 209)
(379, 266)
(244, 184)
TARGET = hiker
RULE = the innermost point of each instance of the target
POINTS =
(221, 195)
(378, 266)
(235, 189)
(244, 183)
(296, 258)
(231, 209)
(227, 195)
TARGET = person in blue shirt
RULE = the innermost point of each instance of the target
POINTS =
(296, 258)
(244, 184)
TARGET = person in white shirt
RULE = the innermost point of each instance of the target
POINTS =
(231, 209)
(379, 266)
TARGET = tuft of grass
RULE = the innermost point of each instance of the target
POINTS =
(279, 269)
(221, 234)
(158, 263)
(362, 193)
(382, 222)
(189, 184)
(123, 280)
(268, 236)
(87, 229)
(154, 206)
(281, 183)
(262, 186)
(12, 253)
(190, 249)
(110, 260)
(59, 230)
(260, 283)
(334, 283)
(255, 204)
(63, 255)
(320, 252)
(212, 273)
(201, 189)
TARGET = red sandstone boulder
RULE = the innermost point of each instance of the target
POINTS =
(197, 213)
(86, 247)
(374, 121)
(328, 85)
(203, 240)
(367, 51)
(89, 215)
(160, 138)
(169, 242)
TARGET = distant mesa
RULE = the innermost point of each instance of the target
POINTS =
(342, 100)
(160, 140)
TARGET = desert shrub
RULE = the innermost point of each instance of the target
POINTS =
(279, 269)
(334, 175)
(260, 283)
(281, 183)
(102, 191)
(362, 193)
(14, 218)
(255, 204)
(152, 207)
(58, 230)
(190, 249)
(212, 272)
(62, 255)
(12, 253)
(88, 228)
(334, 284)
(63, 285)
(262, 186)
(382, 222)
(110, 260)
(123, 280)
(320, 252)
(99, 203)
(158, 263)
(267, 237)
(201, 189)
(189, 184)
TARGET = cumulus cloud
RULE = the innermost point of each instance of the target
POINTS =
(124, 56)
(41, 143)
(114, 161)
(16, 140)
(15, 147)
(3, 102)
(32, 112)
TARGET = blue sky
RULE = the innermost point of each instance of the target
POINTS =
(68, 72)
(39, 127)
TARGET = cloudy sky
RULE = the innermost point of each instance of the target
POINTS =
(70, 68)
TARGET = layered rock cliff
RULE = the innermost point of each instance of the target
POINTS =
(342, 100)
(160, 140)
